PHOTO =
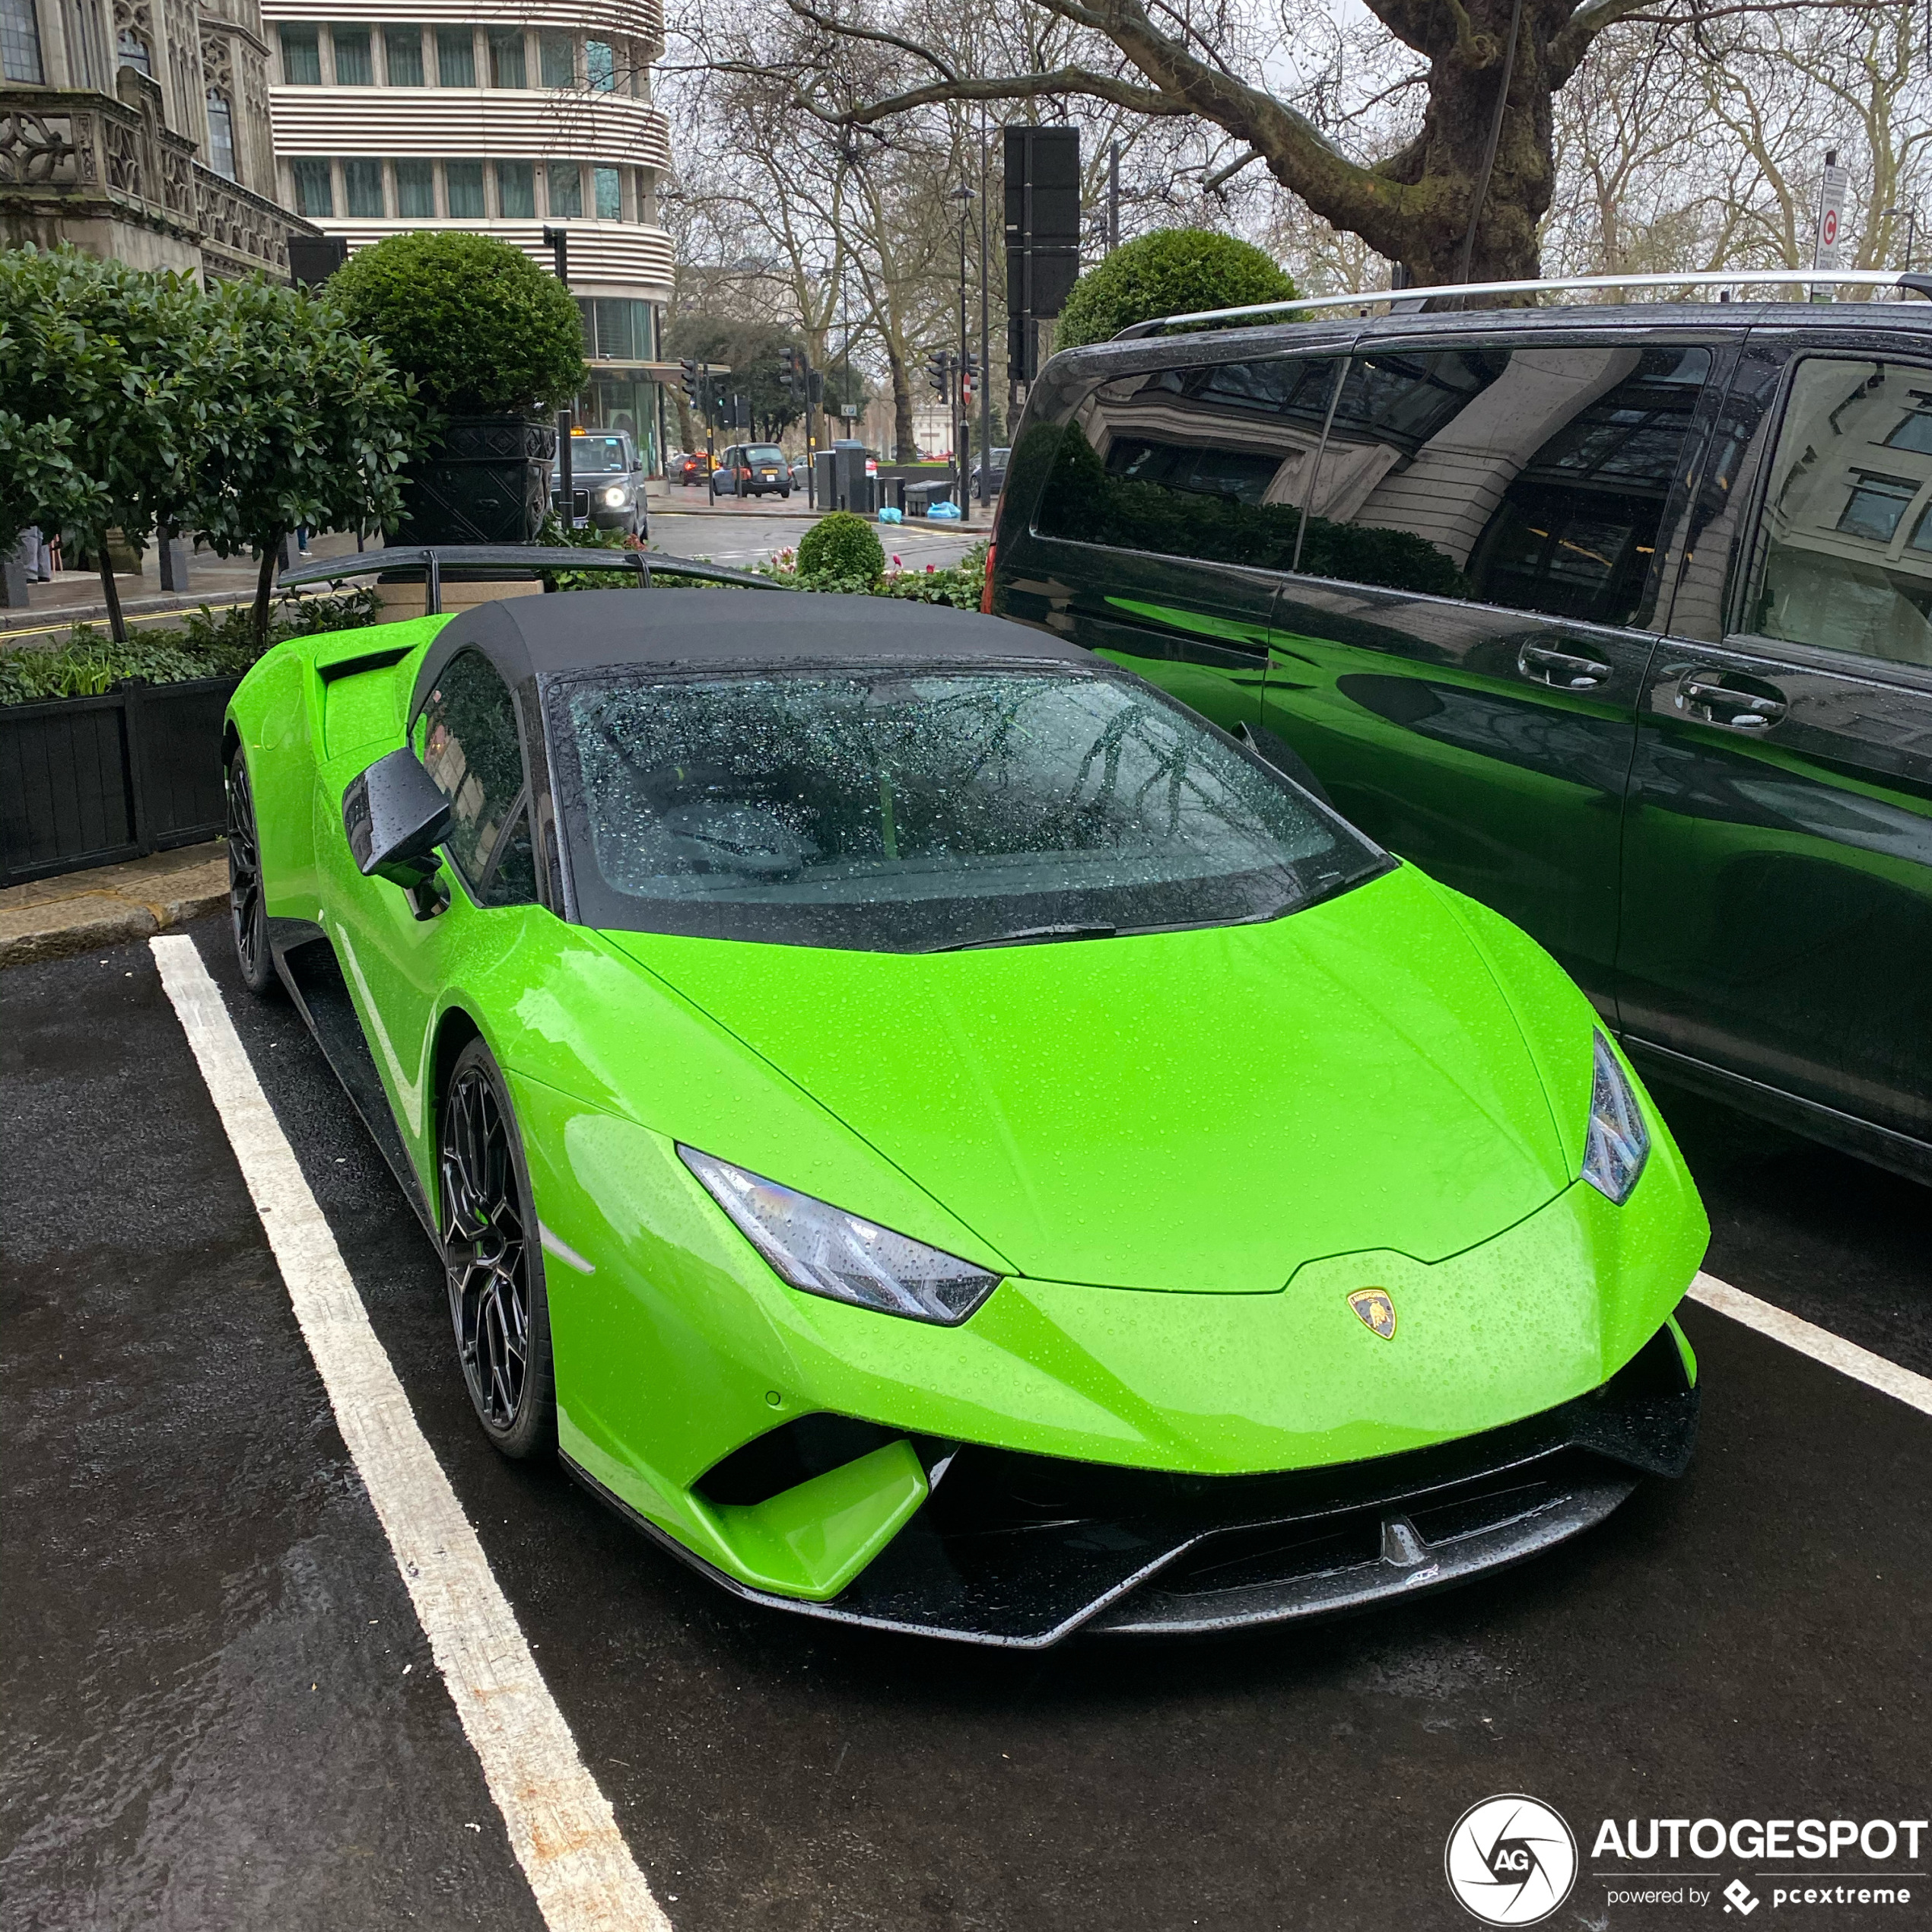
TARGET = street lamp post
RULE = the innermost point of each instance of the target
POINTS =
(985, 338)
(558, 241)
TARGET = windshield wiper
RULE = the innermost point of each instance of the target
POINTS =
(1029, 935)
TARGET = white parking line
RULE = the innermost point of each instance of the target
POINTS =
(559, 1824)
(1820, 1343)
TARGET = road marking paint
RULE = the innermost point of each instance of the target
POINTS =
(560, 1823)
(1906, 1384)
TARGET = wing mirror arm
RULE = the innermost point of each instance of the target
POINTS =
(395, 818)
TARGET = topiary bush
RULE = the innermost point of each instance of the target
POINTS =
(482, 328)
(841, 545)
(1169, 272)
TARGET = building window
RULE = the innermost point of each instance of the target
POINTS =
(557, 55)
(1876, 505)
(83, 33)
(221, 133)
(301, 57)
(132, 51)
(402, 46)
(610, 194)
(517, 190)
(355, 67)
(313, 194)
(20, 42)
(506, 66)
(415, 190)
(463, 181)
(362, 189)
(455, 57)
(602, 68)
(1913, 431)
(566, 191)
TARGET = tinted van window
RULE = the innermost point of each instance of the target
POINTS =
(1209, 462)
(1533, 477)
(1844, 546)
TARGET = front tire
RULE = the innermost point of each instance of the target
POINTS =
(248, 917)
(493, 1259)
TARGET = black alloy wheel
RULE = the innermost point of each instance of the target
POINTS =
(492, 1257)
(248, 918)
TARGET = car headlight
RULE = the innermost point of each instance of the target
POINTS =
(1618, 1143)
(613, 497)
(824, 1250)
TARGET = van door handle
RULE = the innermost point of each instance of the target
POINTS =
(1711, 701)
(1561, 669)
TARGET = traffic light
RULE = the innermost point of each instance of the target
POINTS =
(689, 366)
(791, 372)
(814, 386)
(939, 373)
(968, 377)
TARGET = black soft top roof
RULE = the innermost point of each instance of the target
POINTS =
(726, 631)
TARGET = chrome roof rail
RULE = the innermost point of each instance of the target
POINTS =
(1407, 299)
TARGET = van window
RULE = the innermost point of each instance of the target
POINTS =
(1531, 477)
(1211, 462)
(1843, 558)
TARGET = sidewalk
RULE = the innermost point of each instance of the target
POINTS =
(75, 596)
(52, 918)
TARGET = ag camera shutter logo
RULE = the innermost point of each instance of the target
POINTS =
(1510, 1860)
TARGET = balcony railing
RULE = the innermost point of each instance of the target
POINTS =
(69, 156)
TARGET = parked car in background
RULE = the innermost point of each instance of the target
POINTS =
(997, 476)
(690, 466)
(607, 478)
(1616, 619)
(751, 469)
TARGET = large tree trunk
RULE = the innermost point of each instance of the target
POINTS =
(905, 443)
(1445, 165)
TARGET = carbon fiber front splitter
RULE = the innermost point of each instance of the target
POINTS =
(1021, 1551)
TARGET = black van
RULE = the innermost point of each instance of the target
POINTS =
(1618, 619)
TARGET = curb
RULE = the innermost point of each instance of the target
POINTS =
(100, 920)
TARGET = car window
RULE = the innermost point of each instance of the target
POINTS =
(1211, 462)
(471, 748)
(1843, 555)
(764, 452)
(595, 455)
(910, 810)
(1532, 476)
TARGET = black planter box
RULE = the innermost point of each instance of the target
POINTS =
(86, 781)
(488, 480)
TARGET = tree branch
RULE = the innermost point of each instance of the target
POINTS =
(846, 30)
(1019, 87)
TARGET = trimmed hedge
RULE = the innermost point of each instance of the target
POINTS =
(1169, 272)
(843, 545)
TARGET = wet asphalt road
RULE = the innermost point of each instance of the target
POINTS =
(221, 1712)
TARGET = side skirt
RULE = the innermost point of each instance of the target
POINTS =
(306, 963)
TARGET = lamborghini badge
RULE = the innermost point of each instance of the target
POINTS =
(1376, 1310)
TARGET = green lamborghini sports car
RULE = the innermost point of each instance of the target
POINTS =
(940, 1136)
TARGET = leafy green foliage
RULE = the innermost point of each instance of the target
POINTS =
(479, 325)
(317, 426)
(1169, 272)
(842, 545)
(208, 644)
(109, 392)
(1123, 514)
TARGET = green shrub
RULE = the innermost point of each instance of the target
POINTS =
(208, 644)
(842, 546)
(481, 327)
(1169, 272)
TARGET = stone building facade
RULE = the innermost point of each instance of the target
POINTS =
(140, 128)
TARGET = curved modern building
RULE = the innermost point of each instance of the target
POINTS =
(502, 116)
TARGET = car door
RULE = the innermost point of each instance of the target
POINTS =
(1458, 651)
(1172, 507)
(1778, 867)
(469, 742)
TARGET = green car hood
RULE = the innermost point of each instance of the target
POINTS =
(1201, 1110)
